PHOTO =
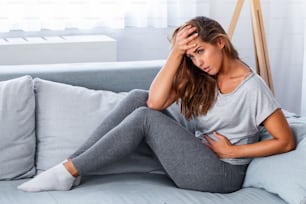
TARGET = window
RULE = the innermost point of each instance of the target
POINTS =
(34, 15)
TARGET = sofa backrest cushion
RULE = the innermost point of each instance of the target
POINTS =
(113, 76)
(17, 128)
(66, 117)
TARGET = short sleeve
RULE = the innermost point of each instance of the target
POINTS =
(265, 102)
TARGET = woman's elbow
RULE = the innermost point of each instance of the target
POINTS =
(153, 105)
(292, 145)
(289, 145)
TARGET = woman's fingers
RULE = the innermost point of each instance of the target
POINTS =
(187, 34)
(190, 41)
(185, 38)
(186, 31)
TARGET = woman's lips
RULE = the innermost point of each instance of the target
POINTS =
(206, 69)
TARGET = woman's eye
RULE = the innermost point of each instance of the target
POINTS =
(200, 51)
(190, 57)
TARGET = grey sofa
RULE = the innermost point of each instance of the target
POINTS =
(135, 187)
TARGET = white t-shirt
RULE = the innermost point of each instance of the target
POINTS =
(237, 115)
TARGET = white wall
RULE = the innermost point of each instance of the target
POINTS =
(284, 21)
(303, 105)
(141, 43)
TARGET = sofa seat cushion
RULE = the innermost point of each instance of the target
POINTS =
(17, 128)
(142, 188)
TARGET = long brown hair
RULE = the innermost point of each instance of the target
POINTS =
(195, 89)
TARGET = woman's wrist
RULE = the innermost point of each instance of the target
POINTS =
(175, 53)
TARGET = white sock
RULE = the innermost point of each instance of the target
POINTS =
(77, 180)
(55, 179)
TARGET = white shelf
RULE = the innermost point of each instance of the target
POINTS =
(57, 49)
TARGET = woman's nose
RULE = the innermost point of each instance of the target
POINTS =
(199, 62)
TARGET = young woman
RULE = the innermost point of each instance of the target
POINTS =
(225, 98)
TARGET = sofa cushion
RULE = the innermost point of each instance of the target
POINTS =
(138, 188)
(283, 174)
(17, 128)
(66, 117)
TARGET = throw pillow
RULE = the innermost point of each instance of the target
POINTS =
(17, 128)
(283, 174)
(66, 117)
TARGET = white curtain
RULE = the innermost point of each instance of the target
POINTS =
(33, 15)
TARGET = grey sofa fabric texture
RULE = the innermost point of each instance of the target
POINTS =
(17, 128)
(132, 189)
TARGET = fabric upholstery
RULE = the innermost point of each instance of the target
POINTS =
(17, 128)
(132, 189)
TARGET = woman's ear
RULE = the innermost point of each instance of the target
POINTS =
(220, 43)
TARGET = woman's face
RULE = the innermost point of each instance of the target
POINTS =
(206, 56)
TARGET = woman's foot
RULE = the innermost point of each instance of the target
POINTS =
(77, 181)
(57, 178)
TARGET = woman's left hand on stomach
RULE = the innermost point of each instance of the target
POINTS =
(222, 146)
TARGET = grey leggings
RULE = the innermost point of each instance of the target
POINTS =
(189, 163)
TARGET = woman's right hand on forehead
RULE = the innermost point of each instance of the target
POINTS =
(183, 40)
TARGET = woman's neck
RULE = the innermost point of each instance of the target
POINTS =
(231, 74)
(231, 68)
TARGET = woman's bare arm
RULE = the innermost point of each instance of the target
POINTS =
(161, 93)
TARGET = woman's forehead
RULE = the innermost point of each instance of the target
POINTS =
(200, 44)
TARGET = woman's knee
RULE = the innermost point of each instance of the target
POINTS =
(135, 98)
(139, 94)
(142, 111)
(148, 116)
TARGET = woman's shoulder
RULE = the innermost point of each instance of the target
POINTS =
(257, 87)
(255, 81)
